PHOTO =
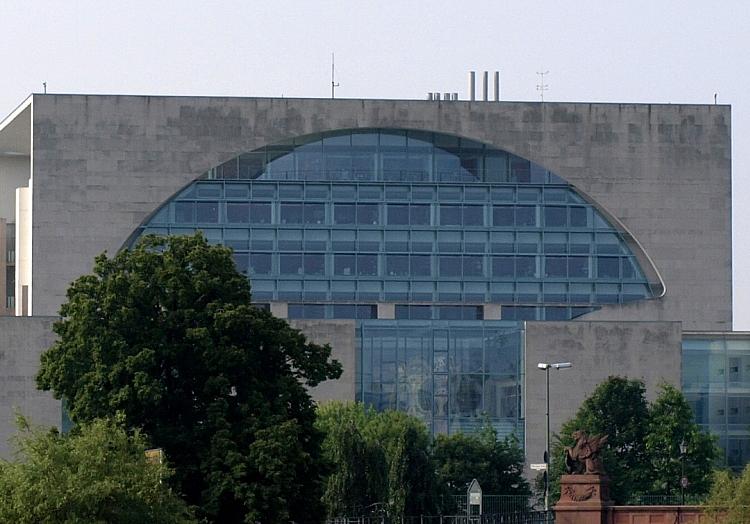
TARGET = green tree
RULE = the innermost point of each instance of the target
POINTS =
(378, 460)
(98, 473)
(411, 473)
(358, 481)
(671, 422)
(618, 408)
(642, 454)
(496, 464)
(729, 499)
(165, 334)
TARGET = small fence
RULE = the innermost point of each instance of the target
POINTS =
(491, 504)
(528, 517)
(668, 500)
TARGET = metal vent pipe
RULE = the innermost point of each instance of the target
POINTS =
(485, 86)
(497, 86)
(472, 85)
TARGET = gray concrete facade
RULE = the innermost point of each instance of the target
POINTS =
(102, 164)
(22, 342)
(650, 351)
(340, 335)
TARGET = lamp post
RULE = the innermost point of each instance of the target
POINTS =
(683, 480)
(546, 367)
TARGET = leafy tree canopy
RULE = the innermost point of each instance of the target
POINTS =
(165, 334)
(496, 464)
(96, 474)
(380, 461)
(388, 461)
(729, 500)
(642, 455)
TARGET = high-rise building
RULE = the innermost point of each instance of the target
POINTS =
(444, 248)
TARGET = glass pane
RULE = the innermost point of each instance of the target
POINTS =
(260, 263)
(259, 213)
(367, 265)
(473, 215)
(419, 215)
(343, 265)
(398, 214)
(367, 214)
(344, 214)
(238, 213)
(450, 215)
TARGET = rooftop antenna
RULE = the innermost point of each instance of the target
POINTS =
(715, 95)
(541, 86)
(45, 87)
(334, 84)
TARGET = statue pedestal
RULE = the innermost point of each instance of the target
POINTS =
(584, 499)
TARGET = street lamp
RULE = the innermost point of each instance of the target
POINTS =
(683, 479)
(546, 367)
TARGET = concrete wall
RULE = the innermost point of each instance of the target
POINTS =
(22, 340)
(650, 351)
(340, 335)
(14, 172)
(101, 164)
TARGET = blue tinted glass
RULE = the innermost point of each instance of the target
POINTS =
(344, 214)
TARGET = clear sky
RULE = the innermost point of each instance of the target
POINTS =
(657, 51)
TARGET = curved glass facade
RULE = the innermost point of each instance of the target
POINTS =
(436, 227)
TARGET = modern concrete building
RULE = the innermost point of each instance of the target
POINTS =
(444, 248)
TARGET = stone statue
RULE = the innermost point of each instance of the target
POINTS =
(583, 458)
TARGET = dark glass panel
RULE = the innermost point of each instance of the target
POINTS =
(343, 265)
(238, 212)
(556, 266)
(367, 214)
(240, 262)
(315, 213)
(184, 212)
(450, 266)
(473, 266)
(555, 216)
(290, 264)
(578, 267)
(315, 264)
(367, 265)
(608, 267)
(344, 214)
(291, 213)
(397, 265)
(526, 216)
(420, 265)
(503, 216)
(502, 267)
(578, 217)
(398, 214)
(450, 215)
(260, 264)
(207, 212)
(419, 215)
(473, 215)
(260, 213)
(525, 266)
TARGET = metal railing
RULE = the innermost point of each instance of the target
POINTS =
(527, 517)
(491, 504)
(667, 500)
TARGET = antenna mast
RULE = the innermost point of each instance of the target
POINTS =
(334, 84)
(541, 86)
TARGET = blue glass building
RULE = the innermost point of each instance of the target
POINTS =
(437, 245)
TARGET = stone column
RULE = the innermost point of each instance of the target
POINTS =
(584, 499)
